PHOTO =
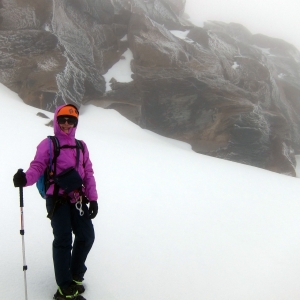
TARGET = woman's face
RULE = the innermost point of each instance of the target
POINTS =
(66, 123)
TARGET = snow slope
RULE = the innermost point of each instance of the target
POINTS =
(172, 224)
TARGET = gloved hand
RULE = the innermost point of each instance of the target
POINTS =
(93, 209)
(20, 179)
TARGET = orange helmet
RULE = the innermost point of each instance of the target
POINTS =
(68, 110)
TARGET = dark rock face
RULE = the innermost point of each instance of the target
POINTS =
(228, 93)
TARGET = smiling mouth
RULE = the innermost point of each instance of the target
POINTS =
(65, 129)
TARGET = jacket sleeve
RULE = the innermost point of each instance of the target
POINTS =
(39, 163)
(89, 181)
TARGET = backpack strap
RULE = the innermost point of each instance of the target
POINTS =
(55, 143)
(52, 171)
(79, 145)
(57, 147)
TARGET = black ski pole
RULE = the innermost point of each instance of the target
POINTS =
(22, 232)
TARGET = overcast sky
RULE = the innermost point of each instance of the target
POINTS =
(275, 18)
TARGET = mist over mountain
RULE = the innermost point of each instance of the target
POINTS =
(227, 92)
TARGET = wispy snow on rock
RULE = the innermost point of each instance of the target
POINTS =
(48, 64)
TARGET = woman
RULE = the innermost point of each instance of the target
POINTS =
(68, 211)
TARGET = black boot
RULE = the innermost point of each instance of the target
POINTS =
(70, 292)
(77, 283)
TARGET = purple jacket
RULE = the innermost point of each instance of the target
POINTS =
(66, 159)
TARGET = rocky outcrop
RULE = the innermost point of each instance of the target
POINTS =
(228, 93)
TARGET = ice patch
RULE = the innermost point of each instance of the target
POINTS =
(265, 51)
(124, 39)
(180, 34)
(235, 65)
(47, 27)
(282, 75)
(121, 71)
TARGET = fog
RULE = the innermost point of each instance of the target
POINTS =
(279, 19)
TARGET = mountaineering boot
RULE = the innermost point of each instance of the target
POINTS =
(77, 283)
(68, 293)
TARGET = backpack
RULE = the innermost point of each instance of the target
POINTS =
(45, 180)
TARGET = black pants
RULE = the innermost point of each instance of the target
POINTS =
(67, 262)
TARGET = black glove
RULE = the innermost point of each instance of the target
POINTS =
(20, 179)
(93, 209)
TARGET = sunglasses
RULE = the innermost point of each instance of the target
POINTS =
(70, 120)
